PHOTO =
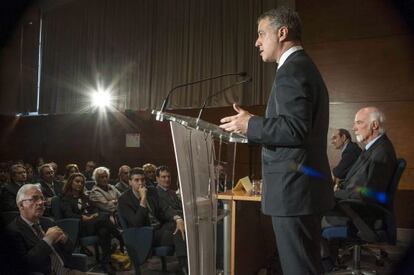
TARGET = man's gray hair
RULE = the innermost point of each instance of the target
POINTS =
(284, 17)
(21, 194)
(379, 116)
(100, 170)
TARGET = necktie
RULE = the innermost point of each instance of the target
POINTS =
(57, 262)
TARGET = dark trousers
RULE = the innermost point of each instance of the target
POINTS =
(298, 242)
(164, 236)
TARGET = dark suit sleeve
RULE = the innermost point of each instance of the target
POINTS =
(292, 123)
(134, 215)
(375, 175)
(65, 248)
(348, 158)
(37, 254)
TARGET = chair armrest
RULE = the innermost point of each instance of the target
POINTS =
(362, 203)
(79, 262)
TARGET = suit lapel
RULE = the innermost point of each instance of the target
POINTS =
(364, 157)
(27, 231)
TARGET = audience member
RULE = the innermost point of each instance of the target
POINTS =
(368, 177)
(70, 169)
(56, 176)
(50, 187)
(149, 170)
(30, 177)
(122, 185)
(140, 206)
(104, 195)
(37, 244)
(89, 168)
(223, 184)
(9, 191)
(4, 174)
(342, 140)
(165, 193)
(75, 204)
(375, 166)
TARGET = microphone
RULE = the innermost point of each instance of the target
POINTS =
(165, 102)
(219, 92)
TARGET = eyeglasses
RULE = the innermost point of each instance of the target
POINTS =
(35, 199)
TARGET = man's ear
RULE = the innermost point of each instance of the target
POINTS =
(283, 33)
(375, 125)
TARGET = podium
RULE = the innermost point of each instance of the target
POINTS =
(195, 155)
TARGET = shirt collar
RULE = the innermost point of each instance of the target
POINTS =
(372, 142)
(345, 145)
(27, 221)
(162, 187)
(286, 54)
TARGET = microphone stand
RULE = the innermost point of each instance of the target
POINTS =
(219, 92)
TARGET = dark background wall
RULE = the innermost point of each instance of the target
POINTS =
(364, 52)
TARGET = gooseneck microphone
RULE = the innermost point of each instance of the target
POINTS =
(219, 92)
(165, 102)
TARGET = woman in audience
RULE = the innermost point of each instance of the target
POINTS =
(70, 169)
(75, 204)
(104, 195)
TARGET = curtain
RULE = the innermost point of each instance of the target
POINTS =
(140, 49)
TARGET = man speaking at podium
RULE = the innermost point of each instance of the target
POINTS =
(297, 187)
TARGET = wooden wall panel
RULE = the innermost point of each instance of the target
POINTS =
(367, 70)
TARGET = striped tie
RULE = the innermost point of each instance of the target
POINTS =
(57, 262)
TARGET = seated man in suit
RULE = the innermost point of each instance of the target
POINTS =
(165, 193)
(122, 185)
(35, 243)
(140, 206)
(375, 166)
(50, 186)
(8, 195)
(371, 173)
(350, 151)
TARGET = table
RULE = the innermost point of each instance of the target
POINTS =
(248, 234)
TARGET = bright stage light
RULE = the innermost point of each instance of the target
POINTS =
(101, 99)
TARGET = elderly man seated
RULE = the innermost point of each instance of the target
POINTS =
(371, 173)
(36, 244)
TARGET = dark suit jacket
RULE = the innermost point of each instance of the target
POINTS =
(170, 198)
(70, 208)
(8, 197)
(29, 252)
(348, 158)
(373, 169)
(49, 192)
(137, 216)
(293, 135)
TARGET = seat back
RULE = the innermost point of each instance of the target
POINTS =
(391, 227)
(71, 227)
(89, 184)
(55, 207)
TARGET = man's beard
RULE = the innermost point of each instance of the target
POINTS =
(359, 138)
